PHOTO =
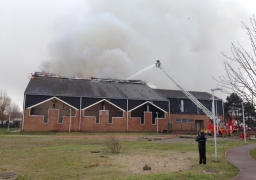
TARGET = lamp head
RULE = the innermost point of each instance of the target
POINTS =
(216, 89)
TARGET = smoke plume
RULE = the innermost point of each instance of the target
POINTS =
(116, 39)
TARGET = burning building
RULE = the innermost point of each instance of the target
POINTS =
(53, 103)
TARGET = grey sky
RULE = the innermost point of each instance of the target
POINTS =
(116, 39)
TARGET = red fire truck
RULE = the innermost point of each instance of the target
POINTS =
(230, 127)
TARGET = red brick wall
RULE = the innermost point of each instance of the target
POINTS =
(88, 124)
(134, 124)
(35, 122)
(189, 126)
(120, 124)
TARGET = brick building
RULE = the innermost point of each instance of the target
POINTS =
(54, 103)
(185, 115)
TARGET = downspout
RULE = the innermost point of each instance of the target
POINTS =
(22, 128)
(127, 117)
(80, 119)
(169, 123)
(69, 120)
(156, 122)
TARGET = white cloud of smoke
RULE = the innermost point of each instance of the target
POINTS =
(116, 39)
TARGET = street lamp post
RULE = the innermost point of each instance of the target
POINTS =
(214, 123)
(216, 108)
(244, 122)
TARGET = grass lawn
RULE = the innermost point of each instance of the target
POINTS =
(4, 130)
(44, 156)
(253, 154)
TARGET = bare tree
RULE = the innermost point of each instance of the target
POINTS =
(15, 114)
(15, 110)
(240, 68)
(5, 102)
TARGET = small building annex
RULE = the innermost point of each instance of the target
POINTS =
(53, 103)
(185, 115)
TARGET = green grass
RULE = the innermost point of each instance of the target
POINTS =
(4, 130)
(253, 154)
(39, 156)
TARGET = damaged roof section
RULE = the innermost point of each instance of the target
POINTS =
(52, 85)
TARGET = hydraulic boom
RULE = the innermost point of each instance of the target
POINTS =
(189, 95)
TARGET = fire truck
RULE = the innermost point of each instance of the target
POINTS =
(227, 128)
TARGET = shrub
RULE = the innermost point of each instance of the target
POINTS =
(113, 143)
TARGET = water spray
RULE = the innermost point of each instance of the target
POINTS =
(141, 71)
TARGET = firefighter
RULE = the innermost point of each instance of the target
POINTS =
(201, 147)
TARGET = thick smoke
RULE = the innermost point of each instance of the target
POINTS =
(116, 39)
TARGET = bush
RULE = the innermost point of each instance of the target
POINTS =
(113, 144)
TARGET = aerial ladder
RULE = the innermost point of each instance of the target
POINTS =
(191, 97)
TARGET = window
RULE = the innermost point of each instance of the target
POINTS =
(184, 121)
(190, 121)
(45, 120)
(182, 106)
(154, 120)
(110, 120)
(103, 105)
(142, 121)
(97, 120)
(60, 121)
(178, 120)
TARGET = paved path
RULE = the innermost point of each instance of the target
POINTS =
(239, 157)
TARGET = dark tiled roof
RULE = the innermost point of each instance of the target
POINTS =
(179, 94)
(101, 88)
